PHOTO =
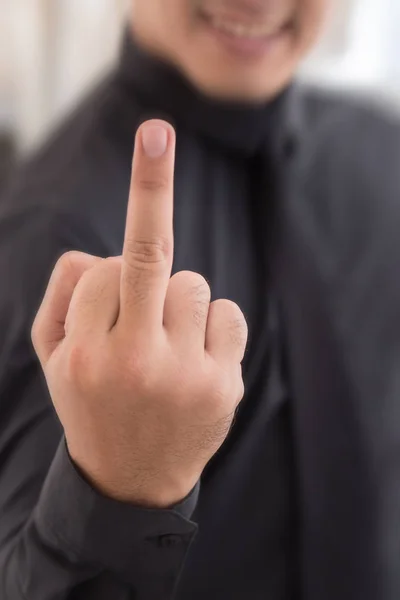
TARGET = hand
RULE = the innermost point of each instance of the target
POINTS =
(144, 373)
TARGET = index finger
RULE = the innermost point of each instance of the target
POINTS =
(148, 244)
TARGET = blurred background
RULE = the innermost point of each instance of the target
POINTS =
(53, 51)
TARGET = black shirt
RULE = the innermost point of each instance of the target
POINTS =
(277, 206)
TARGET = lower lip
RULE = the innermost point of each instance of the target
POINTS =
(246, 47)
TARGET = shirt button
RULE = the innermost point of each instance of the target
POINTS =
(169, 540)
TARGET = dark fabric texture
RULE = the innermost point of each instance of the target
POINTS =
(291, 210)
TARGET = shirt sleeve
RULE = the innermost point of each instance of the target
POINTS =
(74, 536)
(59, 538)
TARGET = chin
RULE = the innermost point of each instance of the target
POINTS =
(231, 80)
(254, 91)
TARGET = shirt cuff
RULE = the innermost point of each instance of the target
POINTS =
(140, 544)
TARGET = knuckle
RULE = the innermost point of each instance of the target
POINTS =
(198, 294)
(192, 279)
(196, 287)
(199, 289)
(200, 299)
(97, 282)
(192, 284)
(153, 183)
(240, 391)
(148, 251)
(235, 322)
(114, 262)
(231, 309)
(36, 332)
(221, 389)
(141, 376)
(67, 260)
(238, 331)
(225, 388)
(78, 365)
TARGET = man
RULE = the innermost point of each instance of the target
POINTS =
(154, 481)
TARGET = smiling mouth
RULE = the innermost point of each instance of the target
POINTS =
(239, 30)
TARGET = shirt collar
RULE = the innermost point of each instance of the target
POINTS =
(245, 128)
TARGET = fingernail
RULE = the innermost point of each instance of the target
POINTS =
(154, 140)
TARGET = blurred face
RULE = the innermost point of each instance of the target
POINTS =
(231, 49)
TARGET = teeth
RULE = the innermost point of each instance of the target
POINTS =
(239, 30)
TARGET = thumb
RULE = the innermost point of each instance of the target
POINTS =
(48, 329)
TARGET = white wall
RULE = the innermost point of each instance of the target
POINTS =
(56, 49)
(371, 59)
(86, 45)
(27, 58)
